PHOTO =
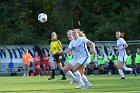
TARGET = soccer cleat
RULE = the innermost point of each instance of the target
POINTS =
(88, 85)
(73, 81)
(122, 77)
(63, 78)
(80, 85)
(51, 78)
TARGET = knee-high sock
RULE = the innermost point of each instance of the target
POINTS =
(128, 69)
(44, 70)
(53, 73)
(62, 73)
(121, 73)
(70, 74)
(85, 80)
(78, 76)
(38, 71)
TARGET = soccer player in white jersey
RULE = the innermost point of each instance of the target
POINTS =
(81, 57)
(121, 46)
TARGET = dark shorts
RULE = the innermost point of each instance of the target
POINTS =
(91, 63)
(56, 58)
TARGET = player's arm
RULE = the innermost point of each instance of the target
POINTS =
(50, 51)
(65, 51)
(125, 45)
(92, 47)
(31, 57)
(59, 45)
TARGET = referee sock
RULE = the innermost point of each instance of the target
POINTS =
(53, 73)
(121, 73)
(62, 73)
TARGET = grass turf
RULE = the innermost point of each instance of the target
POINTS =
(101, 84)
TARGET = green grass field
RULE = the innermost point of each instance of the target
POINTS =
(101, 84)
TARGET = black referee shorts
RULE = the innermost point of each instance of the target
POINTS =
(56, 58)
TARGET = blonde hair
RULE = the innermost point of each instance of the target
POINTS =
(121, 34)
(80, 33)
(69, 31)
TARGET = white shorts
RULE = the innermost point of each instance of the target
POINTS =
(84, 61)
(122, 58)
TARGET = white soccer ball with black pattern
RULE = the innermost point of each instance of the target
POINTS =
(42, 17)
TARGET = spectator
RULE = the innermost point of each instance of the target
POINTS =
(137, 60)
(91, 65)
(37, 63)
(27, 58)
(101, 62)
(46, 64)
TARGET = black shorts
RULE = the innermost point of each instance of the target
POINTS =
(56, 58)
(91, 63)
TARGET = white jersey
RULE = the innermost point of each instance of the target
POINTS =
(122, 53)
(79, 47)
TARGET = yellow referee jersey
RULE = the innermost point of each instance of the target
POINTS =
(55, 46)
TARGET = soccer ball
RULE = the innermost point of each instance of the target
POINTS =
(42, 17)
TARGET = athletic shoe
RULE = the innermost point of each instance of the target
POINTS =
(73, 81)
(63, 78)
(122, 77)
(51, 78)
(88, 85)
(24, 75)
(80, 85)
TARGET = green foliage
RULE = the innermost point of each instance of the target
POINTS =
(99, 19)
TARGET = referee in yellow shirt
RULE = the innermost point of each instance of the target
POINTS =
(55, 47)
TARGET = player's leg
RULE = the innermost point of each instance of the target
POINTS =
(38, 69)
(120, 69)
(44, 69)
(28, 68)
(61, 71)
(84, 78)
(25, 70)
(48, 68)
(77, 74)
(35, 65)
(67, 70)
(53, 70)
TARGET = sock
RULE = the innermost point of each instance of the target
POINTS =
(78, 76)
(44, 70)
(53, 73)
(70, 74)
(121, 73)
(62, 73)
(48, 71)
(38, 71)
(85, 80)
(128, 69)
